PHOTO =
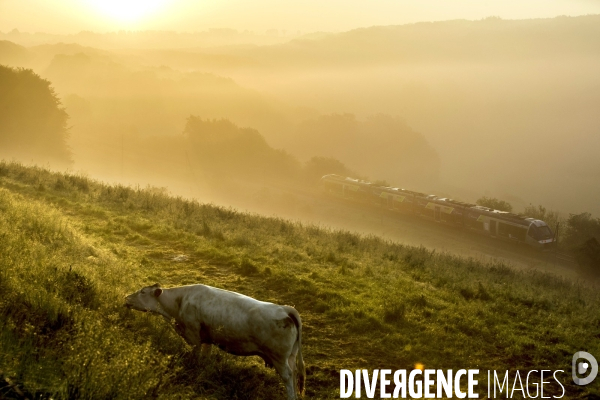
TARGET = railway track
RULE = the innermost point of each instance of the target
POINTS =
(565, 258)
(413, 230)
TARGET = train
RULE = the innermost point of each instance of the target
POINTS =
(497, 224)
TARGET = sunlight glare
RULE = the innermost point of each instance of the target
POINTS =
(127, 10)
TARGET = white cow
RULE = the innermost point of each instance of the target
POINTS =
(237, 324)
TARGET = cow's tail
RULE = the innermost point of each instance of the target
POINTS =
(301, 371)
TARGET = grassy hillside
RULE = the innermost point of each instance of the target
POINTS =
(72, 248)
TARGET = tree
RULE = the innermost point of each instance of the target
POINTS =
(494, 203)
(588, 256)
(223, 149)
(580, 229)
(33, 124)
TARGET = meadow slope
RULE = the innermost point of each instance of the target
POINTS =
(71, 248)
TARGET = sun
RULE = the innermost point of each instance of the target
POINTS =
(127, 10)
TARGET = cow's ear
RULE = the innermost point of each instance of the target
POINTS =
(157, 292)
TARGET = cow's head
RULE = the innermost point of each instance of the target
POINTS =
(145, 299)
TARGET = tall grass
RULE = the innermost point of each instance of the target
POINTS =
(53, 341)
(70, 251)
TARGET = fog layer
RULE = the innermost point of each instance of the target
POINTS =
(463, 108)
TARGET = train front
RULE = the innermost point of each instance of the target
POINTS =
(540, 235)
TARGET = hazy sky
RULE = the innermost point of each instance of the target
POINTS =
(71, 16)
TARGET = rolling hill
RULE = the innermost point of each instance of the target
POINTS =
(71, 248)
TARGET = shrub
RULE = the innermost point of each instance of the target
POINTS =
(588, 257)
(394, 311)
(247, 268)
(580, 229)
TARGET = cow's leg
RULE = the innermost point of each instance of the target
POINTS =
(205, 349)
(201, 352)
(267, 360)
(284, 370)
(292, 365)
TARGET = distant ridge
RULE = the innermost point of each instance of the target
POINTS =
(562, 29)
(486, 40)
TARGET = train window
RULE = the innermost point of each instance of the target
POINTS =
(544, 232)
(540, 232)
(512, 231)
(533, 232)
(458, 219)
(503, 229)
(478, 225)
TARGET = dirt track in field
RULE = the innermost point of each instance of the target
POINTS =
(314, 207)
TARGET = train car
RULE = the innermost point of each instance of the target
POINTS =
(494, 223)
(347, 188)
(512, 227)
(398, 199)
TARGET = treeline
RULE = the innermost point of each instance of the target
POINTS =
(33, 128)
(380, 145)
(225, 150)
(107, 94)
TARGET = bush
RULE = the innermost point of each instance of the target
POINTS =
(588, 256)
(247, 268)
(394, 311)
(580, 229)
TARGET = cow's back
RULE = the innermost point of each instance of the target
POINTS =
(238, 324)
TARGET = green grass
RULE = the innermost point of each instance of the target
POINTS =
(72, 248)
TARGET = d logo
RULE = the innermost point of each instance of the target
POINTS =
(590, 365)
